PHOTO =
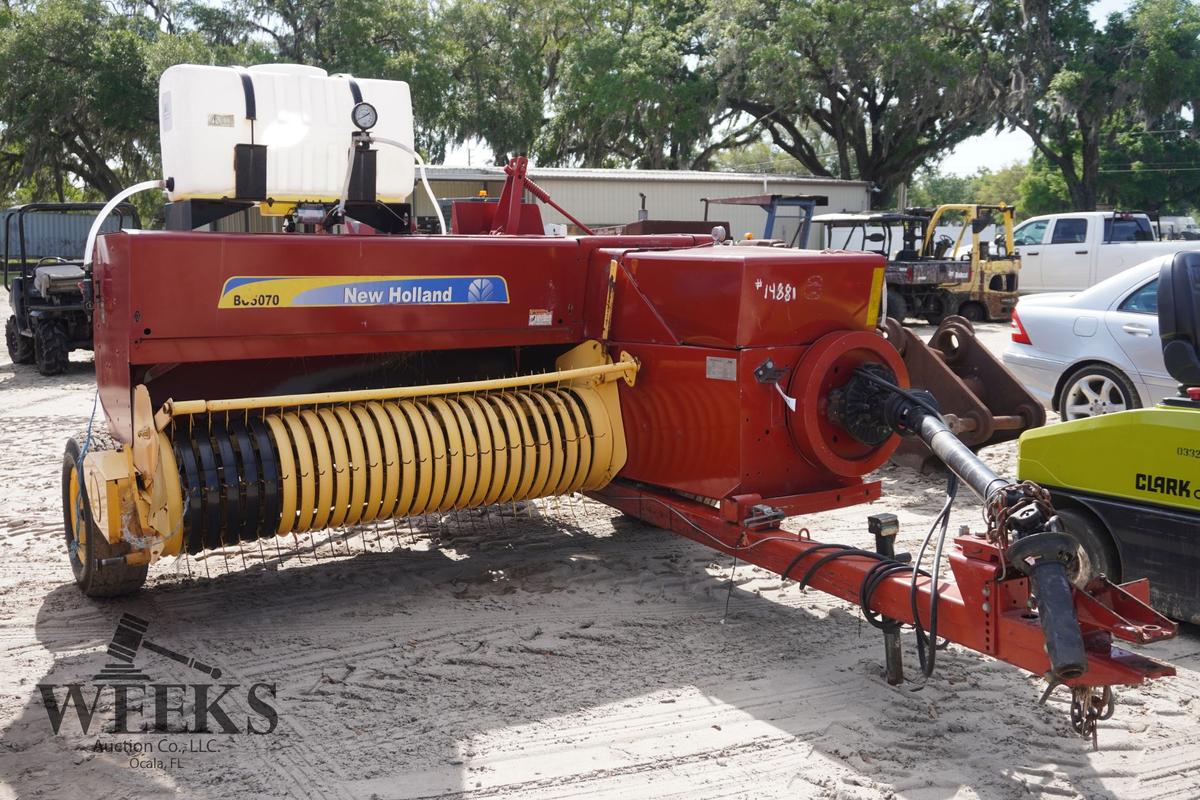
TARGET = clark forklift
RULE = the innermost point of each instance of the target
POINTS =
(1127, 485)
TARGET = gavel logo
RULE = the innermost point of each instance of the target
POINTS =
(129, 638)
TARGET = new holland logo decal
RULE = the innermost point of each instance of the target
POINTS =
(362, 290)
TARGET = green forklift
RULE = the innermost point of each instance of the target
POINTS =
(1126, 486)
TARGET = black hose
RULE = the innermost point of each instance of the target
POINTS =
(907, 395)
(875, 578)
(959, 460)
(848, 551)
(1044, 565)
(808, 553)
(927, 643)
(885, 568)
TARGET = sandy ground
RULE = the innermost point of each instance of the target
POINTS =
(557, 651)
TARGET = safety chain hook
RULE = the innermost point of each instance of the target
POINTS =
(1089, 705)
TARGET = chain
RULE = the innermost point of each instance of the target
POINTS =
(999, 509)
(1089, 705)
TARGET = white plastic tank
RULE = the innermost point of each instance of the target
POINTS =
(302, 115)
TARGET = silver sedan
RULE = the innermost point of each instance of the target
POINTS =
(1096, 351)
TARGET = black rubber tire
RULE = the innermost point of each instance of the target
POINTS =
(897, 306)
(20, 348)
(1097, 550)
(50, 347)
(94, 581)
(974, 312)
(1125, 386)
(946, 307)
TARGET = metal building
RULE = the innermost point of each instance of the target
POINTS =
(603, 197)
(600, 197)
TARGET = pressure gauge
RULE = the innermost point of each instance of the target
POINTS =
(364, 116)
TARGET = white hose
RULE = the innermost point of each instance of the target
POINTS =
(424, 181)
(420, 163)
(341, 206)
(98, 223)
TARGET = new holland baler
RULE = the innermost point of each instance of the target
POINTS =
(260, 385)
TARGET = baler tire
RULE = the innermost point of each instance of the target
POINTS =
(897, 306)
(20, 348)
(1097, 552)
(50, 347)
(112, 581)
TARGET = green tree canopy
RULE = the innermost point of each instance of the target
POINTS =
(757, 156)
(931, 188)
(633, 90)
(889, 83)
(1076, 87)
(390, 39)
(876, 90)
(79, 100)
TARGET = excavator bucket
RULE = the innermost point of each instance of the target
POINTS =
(983, 403)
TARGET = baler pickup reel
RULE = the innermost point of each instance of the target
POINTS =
(205, 474)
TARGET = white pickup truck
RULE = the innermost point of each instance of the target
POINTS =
(1070, 252)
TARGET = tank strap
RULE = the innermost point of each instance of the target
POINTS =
(248, 91)
(355, 91)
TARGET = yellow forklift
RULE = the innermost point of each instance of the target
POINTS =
(930, 275)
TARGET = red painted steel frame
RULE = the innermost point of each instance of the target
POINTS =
(511, 215)
(984, 609)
